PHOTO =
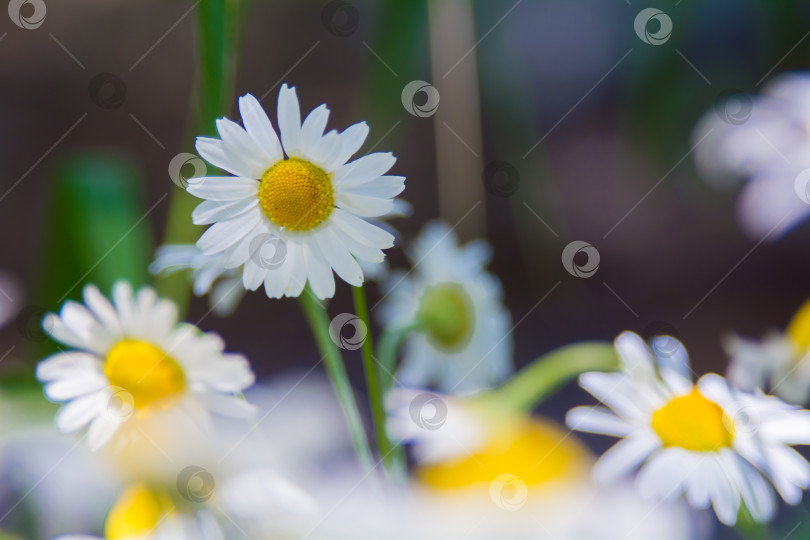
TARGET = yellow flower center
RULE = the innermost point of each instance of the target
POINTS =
(798, 330)
(694, 423)
(296, 195)
(534, 452)
(446, 313)
(145, 371)
(136, 513)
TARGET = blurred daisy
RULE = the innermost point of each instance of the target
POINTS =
(208, 275)
(143, 513)
(765, 140)
(131, 359)
(779, 363)
(711, 442)
(298, 196)
(462, 341)
(514, 476)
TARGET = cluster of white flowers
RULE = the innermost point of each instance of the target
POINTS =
(140, 386)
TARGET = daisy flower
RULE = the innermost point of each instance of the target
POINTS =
(762, 139)
(462, 341)
(297, 192)
(208, 274)
(131, 359)
(779, 363)
(143, 513)
(709, 441)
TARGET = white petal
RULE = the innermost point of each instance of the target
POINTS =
(241, 147)
(384, 187)
(79, 412)
(624, 456)
(663, 475)
(339, 258)
(224, 234)
(364, 169)
(208, 212)
(361, 230)
(289, 120)
(253, 275)
(313, 127)
(351, 139)
(597, 420)
(364, 206)
(68, 364)
(319, 273)
(213, 151)
(296, 270)
(259, 127)
(101, 431)
(223, 188)
(68, 388)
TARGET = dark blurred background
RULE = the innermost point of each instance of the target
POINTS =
(612, 115)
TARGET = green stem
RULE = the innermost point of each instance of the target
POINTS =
(544, 376)
(750, 529)
(373, 382)
(217, 25)
(387, 350)
(319, 324)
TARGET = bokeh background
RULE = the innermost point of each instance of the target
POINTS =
(556, 123)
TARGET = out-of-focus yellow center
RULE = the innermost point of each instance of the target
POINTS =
(447, 315)
(536, 452)
(798, 330)
(136, 513)
(694, 423)
(296, 195)
(145, 371)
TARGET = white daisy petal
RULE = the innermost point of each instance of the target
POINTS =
(351, 139)
(225, 188)
(313, 127)
(224, 234)
(208, 212)
(364, 206)
(240, 146)
(624, 457)
(319, 273)
(289, 120)
(361, 230)
(213, 151)
(79, 412)
(382, 187)
(364, 169)
(259, 127)
(339, 258)
(597, 420)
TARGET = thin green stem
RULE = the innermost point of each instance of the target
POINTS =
(750, 529)
(319, 324)
(547, 374)
(387, 350)
(372, 373)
